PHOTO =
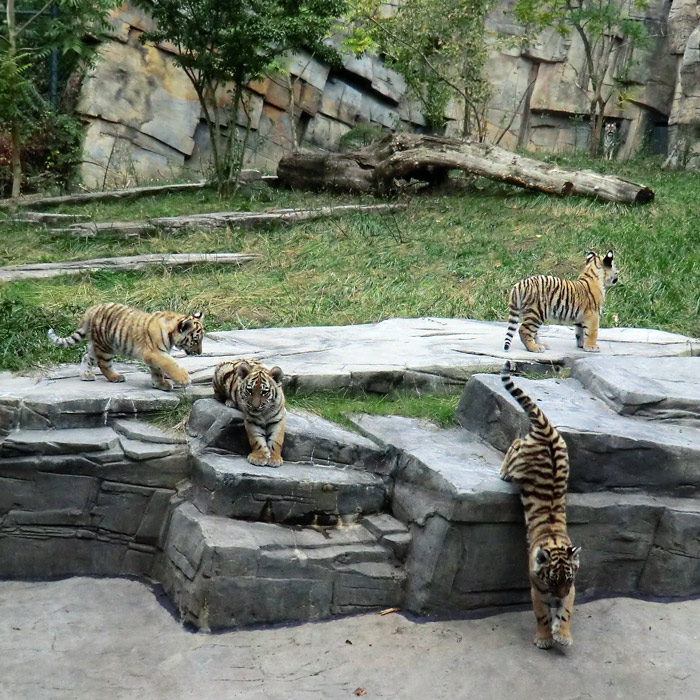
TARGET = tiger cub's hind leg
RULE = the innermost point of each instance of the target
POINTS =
(509, 460)
(528, 333)
(104, 362)
(87, 365)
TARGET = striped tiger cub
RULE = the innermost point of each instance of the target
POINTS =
(537, 299)
(115, 329)
(256, 392)
(539, 465)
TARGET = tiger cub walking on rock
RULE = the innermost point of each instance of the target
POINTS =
(536, 299)
(539, 465)
(257, 393)
(114, 329)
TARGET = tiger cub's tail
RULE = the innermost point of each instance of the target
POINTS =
(539, 422)
(512, 319)
(69, 341)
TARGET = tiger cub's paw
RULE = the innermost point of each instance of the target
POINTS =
(259, 459)
(275, 462)
(164, 384)
(592, 348)
(544, 643)
(87, 376)
(563, 639)
(117, 378)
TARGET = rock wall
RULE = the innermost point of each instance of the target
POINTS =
(144, 121)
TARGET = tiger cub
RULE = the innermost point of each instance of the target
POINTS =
(257, 393)
(536, 299)
(115, 329)
(539, 465)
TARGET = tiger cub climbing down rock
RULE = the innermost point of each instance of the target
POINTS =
(539, 465)
(541, 297)
(257, 393)
(114, 329)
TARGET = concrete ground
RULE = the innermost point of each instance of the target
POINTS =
(108, 639)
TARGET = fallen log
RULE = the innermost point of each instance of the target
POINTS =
(209, 222)
(36, 202)
(380, 168)
(12, 273)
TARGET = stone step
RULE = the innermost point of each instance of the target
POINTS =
(661, 388)
(225, 573)
(58, 442)
(606, 450)
(307, 438)
(468, 545)
(230, 486)
(40, 404)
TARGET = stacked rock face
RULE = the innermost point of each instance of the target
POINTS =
(145, 123)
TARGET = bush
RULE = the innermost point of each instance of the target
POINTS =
(361, 135)
(51, 153)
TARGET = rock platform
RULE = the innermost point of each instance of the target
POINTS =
(398, 514)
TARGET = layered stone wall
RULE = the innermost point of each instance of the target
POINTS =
(145, 123)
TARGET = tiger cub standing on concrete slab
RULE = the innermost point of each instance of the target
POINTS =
(539, 465)
(536, 299)
(114, 329)
(256, 392)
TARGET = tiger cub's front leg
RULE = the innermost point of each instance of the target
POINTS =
(543, 636)
(591, 324)
(275, 439)
(561, 624)
(163, 366)
(260, 454)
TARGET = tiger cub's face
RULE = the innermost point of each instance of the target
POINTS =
(189, 334)
(258, 386)
(604, 266)
(555, 568)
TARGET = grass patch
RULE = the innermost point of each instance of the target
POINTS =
(335, 406)
(454, 255)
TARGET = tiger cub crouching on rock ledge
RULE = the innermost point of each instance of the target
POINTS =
(114, 329)
(541, 297)
(539, 465)
(257, 393)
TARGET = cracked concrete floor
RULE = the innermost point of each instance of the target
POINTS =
(109, 639)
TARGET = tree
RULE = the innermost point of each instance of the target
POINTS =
(439, 48)
(27, 38)
(225, 44)
(609, 36)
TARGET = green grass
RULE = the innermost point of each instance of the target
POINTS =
(336, 406)
(452, 255)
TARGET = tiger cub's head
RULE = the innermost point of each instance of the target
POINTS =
(189, 334)
(603, 267)
(555, 566)
(258, 387)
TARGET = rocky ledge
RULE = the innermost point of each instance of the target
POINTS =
(398, 514)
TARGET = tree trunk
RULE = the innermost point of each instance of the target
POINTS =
(16, 144)
(379, 168)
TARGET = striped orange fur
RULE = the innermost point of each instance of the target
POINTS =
(256, 392)
(537, 299)
(114, 329)
(539, 465)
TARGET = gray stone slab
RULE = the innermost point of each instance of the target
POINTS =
(606, 450)
(56, 442)
(308, 438)
(231, 486)
(223, 573)
(662, 388)
(147, 432)
(143, 451)
(427, 354)
(66, 402)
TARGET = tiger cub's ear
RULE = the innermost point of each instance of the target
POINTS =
(608, 259)
(573, 553)
(197, 314)
(590, 256)
(185, 325)
(276, 373)
(542, 558)
(243, 370)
